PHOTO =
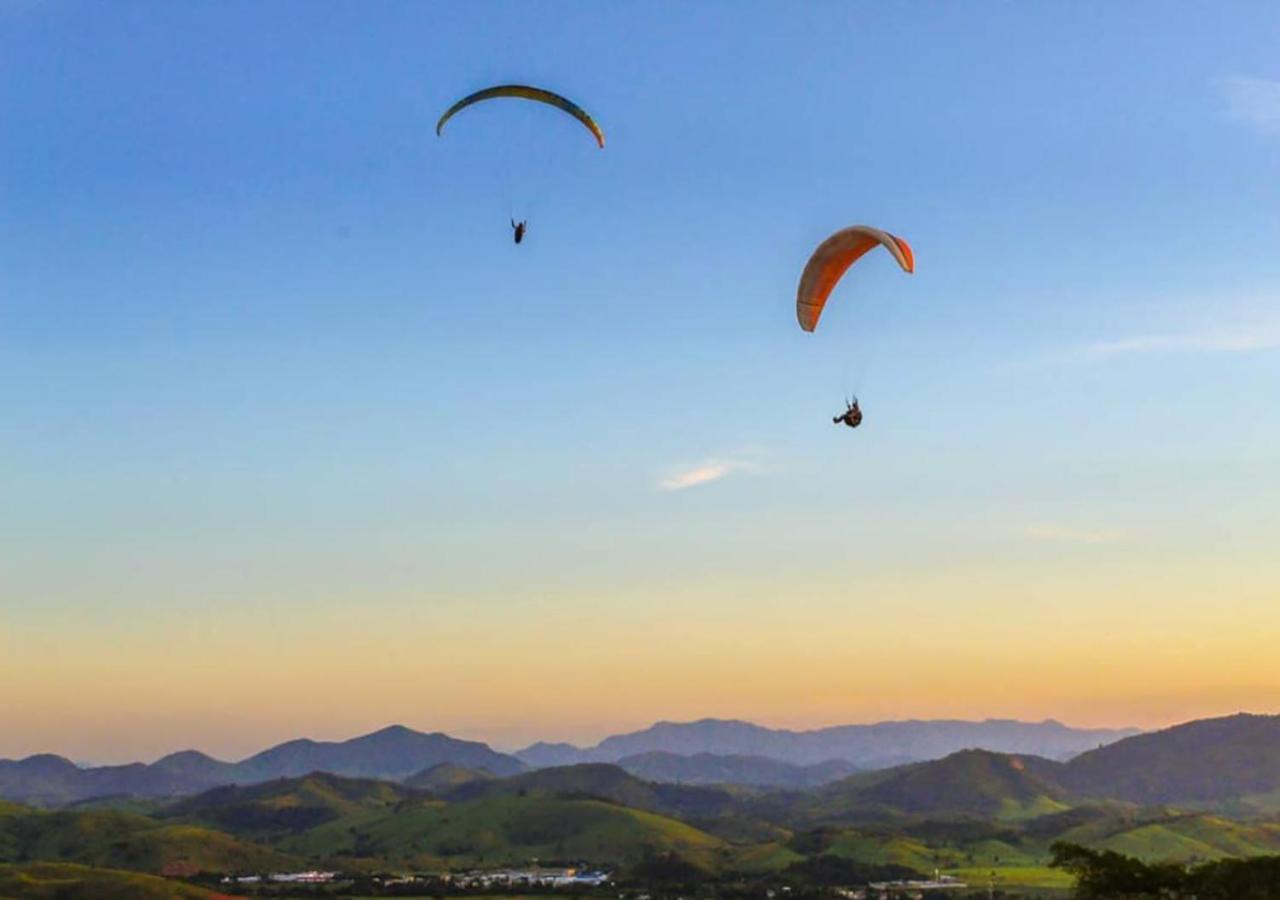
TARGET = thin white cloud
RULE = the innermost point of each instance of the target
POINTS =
(1253, 101)
(705, 472)
(1046, 531)
(1262, 335)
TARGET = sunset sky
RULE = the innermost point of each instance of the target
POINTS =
(295, 442)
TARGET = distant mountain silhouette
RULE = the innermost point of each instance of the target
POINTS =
(865, 746)
(392, 753)
(43, 779)
(543, 755)
(195, 766)
(48, 780)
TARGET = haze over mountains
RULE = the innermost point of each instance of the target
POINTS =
(709, 751)
(865, 746)
(393, 753)
(1205, 790)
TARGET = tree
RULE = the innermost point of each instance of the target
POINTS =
(1107, 875)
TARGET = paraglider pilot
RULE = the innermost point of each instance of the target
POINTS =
(519, 228)
(851, 417)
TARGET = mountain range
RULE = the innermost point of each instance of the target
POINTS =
(393, 753)
(1203, 790)
(708, 751)
(865, 746)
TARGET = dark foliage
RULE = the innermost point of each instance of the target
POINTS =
(822, 871)
(667, 871)
(1106, 875)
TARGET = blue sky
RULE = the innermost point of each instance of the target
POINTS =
(268, 355)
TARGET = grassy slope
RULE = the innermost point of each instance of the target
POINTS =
(1176, 837)
(128, 841)
(510, 829)
(759, 859)
(1014, 876)
(969, 783)
(446, 777)
(1195, 837)
(274, 810)
(67, 881)
(1017, 865)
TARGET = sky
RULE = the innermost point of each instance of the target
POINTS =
(296, 442)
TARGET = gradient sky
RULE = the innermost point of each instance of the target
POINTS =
(294, 441)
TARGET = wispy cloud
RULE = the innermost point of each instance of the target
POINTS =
(679, 478)
(1046, 531)
(1262, 335)
(1253, 101)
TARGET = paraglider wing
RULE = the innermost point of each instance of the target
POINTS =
(527, 93)
(833, 258)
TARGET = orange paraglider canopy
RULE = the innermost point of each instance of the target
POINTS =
(833, 258)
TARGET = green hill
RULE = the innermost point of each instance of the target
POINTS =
(968, 813)
(1189, 838)
(67, 881)
(969, 783)
(446, 777)
(1210, 762)
(504, 829)
(614, 784)
(546, 815)
(128, 841)
(275, 809)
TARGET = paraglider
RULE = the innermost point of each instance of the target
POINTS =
(833, 258)
(851, 416)
(525, 92)
(827, 266)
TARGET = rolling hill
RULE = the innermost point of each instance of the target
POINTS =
(973, 783)
(67, 881)
(128, 841)
(968, 812)
(611, 783)
(275, 809)
(1210, 762)
(506, 829)
(363, 823)
(446, 777)
(1154, 796)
